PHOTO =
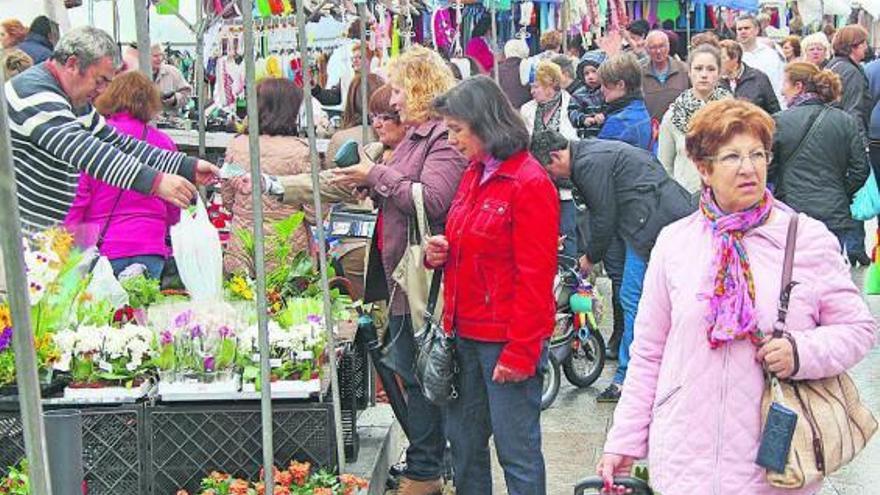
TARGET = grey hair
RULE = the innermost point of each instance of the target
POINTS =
(88, 44)
(656, 33)
(565, 65)
(749, 17)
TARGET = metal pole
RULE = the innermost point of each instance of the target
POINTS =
(115, 21)
(20, 307)
(91, 12)
(322, 247)
(563, 18)
(201, 25)
(142, 24)
(687, 17)
(494, 43)
(259, 248)
(365, 71)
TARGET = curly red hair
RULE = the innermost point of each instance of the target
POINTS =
(15, 31)
(131, 92)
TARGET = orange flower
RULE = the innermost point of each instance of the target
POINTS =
(218, 476)
(351, 484)
(5, 317)
(282, 490)
(238, 487)
(261, 488)
(209, 491)
(182, 492)
(322, 491)
(300, 472)
(283, 478)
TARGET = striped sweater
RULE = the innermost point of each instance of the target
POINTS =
(52, 143)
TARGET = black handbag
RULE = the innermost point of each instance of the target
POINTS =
(436, 366)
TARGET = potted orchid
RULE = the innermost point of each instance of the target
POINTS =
(196, 354)
(106, 362)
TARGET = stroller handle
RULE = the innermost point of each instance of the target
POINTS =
(638, 486)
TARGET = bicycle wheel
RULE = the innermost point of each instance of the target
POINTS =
(587, 359)
(551, 383)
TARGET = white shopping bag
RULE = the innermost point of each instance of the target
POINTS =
(104, 286)
(198, 254)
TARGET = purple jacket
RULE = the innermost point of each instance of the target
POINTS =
(139, 223)
(695, 412)
(423, 156)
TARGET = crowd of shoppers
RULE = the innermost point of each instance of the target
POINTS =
(626, 156)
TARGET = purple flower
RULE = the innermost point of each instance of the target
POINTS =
(209, 364)
(225, 332)
(166, 338)
(196, 332)
(5, 339)
(183, 319)
(314, 319)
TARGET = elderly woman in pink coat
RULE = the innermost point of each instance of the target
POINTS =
(692, 400)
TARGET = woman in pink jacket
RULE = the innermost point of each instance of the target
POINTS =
(692, 400)
(126, 226)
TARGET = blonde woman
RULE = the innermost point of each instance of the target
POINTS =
(548, 111)
(424, 156)
(816, 49)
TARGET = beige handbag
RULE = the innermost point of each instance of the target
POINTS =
(833, 425)
(411, 275)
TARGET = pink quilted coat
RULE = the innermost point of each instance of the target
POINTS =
(694, 412)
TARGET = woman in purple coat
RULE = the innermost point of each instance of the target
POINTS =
(126, 226)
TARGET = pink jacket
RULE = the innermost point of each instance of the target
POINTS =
(695, 412)
(139, 223)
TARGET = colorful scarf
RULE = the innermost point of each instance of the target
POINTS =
(544, 110)
(732, 302)
(686, 105)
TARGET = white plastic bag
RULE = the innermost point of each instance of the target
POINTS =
(198, 254)
(104, 286)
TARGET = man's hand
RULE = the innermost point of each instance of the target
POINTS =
(206, 173)
(436, 251)
(176, 190)
(505, 374)
(585, 264)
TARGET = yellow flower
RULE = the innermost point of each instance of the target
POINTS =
(5, 317)
(57, 240)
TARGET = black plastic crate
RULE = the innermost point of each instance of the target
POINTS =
(188, 441)
(354, 376)
(113, 447)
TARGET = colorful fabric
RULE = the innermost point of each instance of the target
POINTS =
(802, 99)
(732, 313)
(686, 105)
(548, 116)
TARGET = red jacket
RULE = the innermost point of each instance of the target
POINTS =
(502, 259)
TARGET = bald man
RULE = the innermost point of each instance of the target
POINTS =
(663, 77)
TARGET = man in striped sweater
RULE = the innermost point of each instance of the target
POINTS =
(56, 134)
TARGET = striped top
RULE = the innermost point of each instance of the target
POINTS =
(52, 143)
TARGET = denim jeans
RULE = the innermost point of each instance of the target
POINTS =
(154, 264)
(630, 294)
(424, 456)
(510, 412)
(615, 258)
(852, 241)
(568, 227)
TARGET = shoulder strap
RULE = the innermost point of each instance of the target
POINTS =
(100, 241)
(787, 284)
(418, 196)
(809, 132)
(434, 292)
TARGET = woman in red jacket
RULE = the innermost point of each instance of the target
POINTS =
(499, 258)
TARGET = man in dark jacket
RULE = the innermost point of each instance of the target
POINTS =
(629, 194)
(40, 40)
(746, 83)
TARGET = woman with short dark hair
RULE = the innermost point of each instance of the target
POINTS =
(282, 152)
(499, 259)
(352, 117)
(746, 83)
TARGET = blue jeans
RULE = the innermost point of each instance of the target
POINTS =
(630, 293)
(568, 227)
(510, 412)
(424, 456)
(154, 264)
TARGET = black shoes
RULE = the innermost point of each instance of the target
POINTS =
(862, 259)
(610, 394)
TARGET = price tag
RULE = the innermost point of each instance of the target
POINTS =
(275, 363)
(305, 355)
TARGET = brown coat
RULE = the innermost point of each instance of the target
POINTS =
(658, 96)
(279, 155)
(423, 156)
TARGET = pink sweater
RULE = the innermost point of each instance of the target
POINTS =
(694, 412)
(139, 223)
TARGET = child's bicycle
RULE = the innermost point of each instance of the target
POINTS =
(596, 483)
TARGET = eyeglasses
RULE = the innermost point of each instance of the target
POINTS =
(735, 160)
(385, 117)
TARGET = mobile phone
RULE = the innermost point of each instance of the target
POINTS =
(776, 438)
